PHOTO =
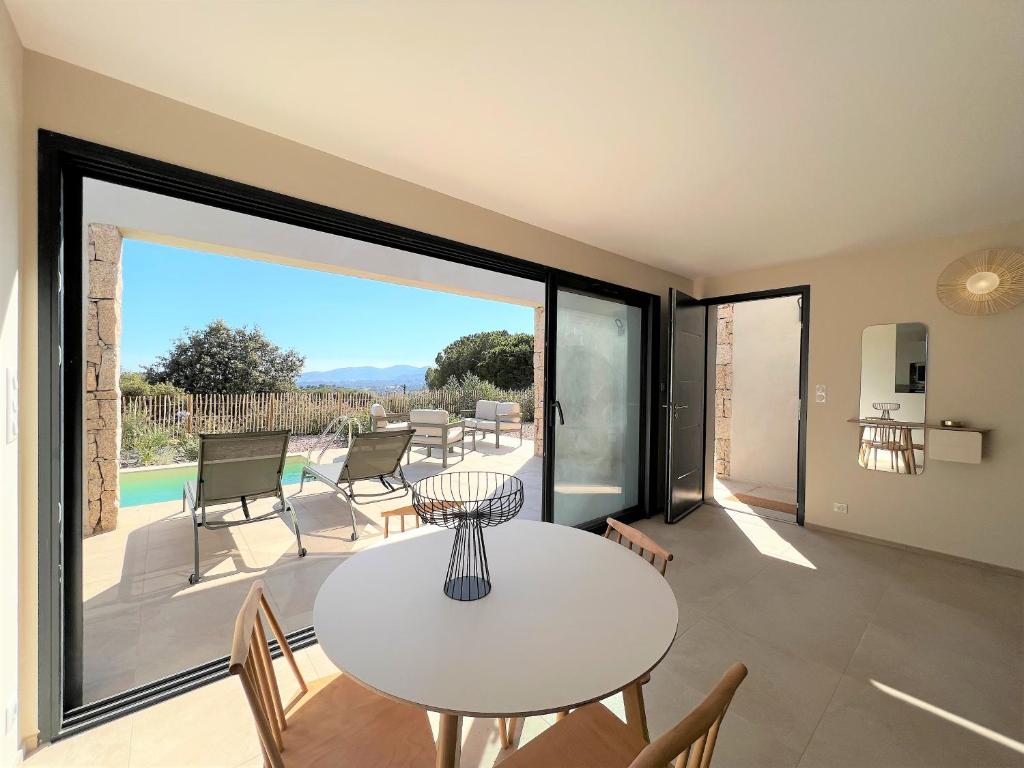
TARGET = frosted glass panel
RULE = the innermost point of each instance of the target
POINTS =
(598, 379)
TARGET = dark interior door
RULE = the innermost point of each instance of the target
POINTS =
(686, 388)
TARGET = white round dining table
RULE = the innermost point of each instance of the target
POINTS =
(571, 618)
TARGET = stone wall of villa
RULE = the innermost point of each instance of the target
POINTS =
(723, 392)
(538, 380)
(102, 378)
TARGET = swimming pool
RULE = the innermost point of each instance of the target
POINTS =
(149, 486)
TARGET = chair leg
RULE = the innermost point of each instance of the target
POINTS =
(352, 513)
(444, 456)
(387, 522)
(194, 578)
(290, 508)
(636, 713)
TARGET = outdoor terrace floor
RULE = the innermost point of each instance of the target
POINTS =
(142, 619)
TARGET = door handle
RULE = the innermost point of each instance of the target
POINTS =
(557, 406)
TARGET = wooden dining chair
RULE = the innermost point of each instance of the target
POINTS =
(639, 542)
(593, 737)
(332, 720)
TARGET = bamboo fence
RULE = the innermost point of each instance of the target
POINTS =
(304, 413)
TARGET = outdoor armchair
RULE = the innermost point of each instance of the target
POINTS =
(499, 418)
(433, 430)
(237, 467)
(371, 456)
(382, 421)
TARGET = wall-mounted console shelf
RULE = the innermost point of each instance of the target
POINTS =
(961, 444)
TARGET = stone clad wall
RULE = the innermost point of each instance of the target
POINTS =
(102, 378)
(723, 392)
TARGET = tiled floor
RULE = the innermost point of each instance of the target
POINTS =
(726, 491)
(859, 655)
(143, 621)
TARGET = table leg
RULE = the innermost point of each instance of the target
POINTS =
(449, 742)
(636, 715)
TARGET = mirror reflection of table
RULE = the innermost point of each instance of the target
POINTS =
(892, 438)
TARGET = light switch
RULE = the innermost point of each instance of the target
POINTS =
(11, 392)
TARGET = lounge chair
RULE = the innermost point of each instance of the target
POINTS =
(382, 421)
(371, 456)
(237, 467)
(499, 418)
(433, 430)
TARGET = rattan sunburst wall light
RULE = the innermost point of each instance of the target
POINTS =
(984, 282)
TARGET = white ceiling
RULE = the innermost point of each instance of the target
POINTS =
(703, 137)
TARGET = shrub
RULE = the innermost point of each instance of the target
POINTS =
(135, 385)
(188, 446)
(470, 388)
(144, 441)
(151, 444)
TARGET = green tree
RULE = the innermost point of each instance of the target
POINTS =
(220, 359)
(499, 357)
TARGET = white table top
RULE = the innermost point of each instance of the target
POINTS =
(571, 618)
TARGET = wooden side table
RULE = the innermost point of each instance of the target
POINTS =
(401, 514)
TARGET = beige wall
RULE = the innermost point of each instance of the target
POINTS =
(10, 140)
(765, 391)
(80, 103)
(975, 373)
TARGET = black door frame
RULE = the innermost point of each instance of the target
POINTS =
(63, 163)
(650, 308)
(804, 294)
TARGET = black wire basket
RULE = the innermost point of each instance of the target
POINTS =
(468, 502)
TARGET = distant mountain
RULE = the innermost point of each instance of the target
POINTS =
(367, 377)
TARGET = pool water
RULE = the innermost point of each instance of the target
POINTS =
(149, 486)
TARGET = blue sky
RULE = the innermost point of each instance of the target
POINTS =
(334, 320)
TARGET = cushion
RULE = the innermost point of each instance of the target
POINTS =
(398, 425)
(377, 411)
(489, 426)
(428, 416)
(454, 435)
(486, 409)
(509, 409)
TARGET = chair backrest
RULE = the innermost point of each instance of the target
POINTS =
(511, 410)
(250, 660)
(691, 743)
(373, 454)
(378, 416)
(486, 409)
(428, 421)
(240, 464)
(639, 542)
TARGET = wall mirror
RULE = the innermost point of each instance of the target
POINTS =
(893, 388)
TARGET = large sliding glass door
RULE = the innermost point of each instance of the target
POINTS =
(599, 405)
(120, 625)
